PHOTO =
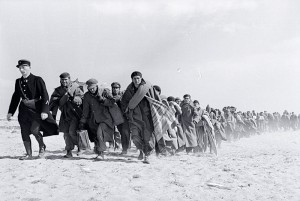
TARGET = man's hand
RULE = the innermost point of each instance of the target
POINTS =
(44, 116)
(9, 116)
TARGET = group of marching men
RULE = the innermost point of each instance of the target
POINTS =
(138, 114)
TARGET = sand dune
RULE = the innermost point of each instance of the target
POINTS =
(263, 167)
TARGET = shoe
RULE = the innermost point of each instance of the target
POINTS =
(123, 152)
(26, 157)
(69, 154)
(42, 151)
(100, 156)
(141, 156)
(79, 152)
(28, 149)
(146, 160)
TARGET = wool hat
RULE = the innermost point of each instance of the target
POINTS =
(23, 62)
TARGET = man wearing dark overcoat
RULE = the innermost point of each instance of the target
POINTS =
(34, 115)
(96, 116)
(68, 99)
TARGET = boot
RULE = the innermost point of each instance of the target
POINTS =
(42, 146)
(41, 152)
(28, 149)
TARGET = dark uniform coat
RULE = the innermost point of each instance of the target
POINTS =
(33, 87)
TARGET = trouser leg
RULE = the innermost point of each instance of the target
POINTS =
(100, 143)
(160, 147)
(137, 138)
(71, 138)
(35, 130)
(125, 135)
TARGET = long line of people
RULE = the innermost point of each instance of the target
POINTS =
(140, 114)
(108, 115)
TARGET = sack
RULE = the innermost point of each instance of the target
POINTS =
(29, 103)
(83, 140)
(116, 114)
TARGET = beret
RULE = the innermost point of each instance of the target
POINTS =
(136, 73)
(23, 62)
(64, 75)
(170, 98)
(187, 95)
(196, 101)
(177, 98)
(115, 85)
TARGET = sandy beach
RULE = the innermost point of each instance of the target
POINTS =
(262, 167)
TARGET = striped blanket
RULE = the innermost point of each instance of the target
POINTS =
(162, 116)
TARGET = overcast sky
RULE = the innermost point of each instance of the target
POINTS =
(244, 53)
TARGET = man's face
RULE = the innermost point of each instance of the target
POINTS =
(137, 80)
(115, 90)
(65, 82)
(25, 70)
(196, 105)
(92, 88)
(187, 99)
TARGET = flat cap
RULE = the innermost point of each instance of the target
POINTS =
(23, 62)
(91, 82)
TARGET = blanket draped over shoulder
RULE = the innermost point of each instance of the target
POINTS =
(161, 115)
(163, 118)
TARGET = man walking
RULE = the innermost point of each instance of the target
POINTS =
(96, 116)
(124, 127)
(68, 99)
(34, 114)
(136, 105)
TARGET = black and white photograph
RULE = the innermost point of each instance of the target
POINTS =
(150, 100)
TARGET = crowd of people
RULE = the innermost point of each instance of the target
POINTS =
(141, 114)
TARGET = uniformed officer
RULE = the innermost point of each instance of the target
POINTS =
(34, 113)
